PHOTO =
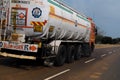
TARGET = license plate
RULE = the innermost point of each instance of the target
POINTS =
(19, 46)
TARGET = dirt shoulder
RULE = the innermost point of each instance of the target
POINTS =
(106, 45)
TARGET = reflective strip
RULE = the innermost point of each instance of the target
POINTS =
(42, 23)
(38, 23)
(17, 56)
(32, 23)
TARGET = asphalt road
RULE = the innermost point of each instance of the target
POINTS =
(104, 64)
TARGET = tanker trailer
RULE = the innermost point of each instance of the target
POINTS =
(45, 29)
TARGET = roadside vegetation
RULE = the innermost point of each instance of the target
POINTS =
(102, 39)
(106, 45)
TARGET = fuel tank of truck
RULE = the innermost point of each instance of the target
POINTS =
(51, 18)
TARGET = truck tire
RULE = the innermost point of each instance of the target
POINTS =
(78, 52)
(61, 56)
(92, 47)
(70, 54)
(86, 49)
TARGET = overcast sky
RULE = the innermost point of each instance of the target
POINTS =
(105, 13)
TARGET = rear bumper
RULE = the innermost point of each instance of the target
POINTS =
(17, 56)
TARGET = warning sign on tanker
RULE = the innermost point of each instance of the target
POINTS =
(19, 15)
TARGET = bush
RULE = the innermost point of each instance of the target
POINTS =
(115, 41)
(106, 40)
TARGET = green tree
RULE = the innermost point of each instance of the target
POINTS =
(107, 40)
(100, 35)
(115, 40)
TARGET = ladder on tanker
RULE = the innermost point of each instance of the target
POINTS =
(3, 18)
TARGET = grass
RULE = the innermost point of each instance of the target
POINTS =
(106, 45)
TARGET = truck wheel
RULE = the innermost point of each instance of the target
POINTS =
(92, 47)
(78, 52)
(70, 54)
(61, 56)
(86, 49)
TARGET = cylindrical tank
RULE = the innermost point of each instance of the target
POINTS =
(50, 17)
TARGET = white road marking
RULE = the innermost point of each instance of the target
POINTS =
(51, 77)
(103, 55)
(90, 60)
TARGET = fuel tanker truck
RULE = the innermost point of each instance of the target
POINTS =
(47, 30)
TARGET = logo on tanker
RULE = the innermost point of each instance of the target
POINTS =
(36, 12)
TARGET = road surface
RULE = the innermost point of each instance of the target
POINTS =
(103, 65)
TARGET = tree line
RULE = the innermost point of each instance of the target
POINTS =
(101, 39)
